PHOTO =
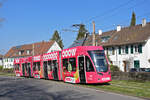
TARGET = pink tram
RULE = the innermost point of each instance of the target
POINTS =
(81, 64)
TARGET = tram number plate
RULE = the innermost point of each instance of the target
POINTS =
(106, 79)
(70, 79)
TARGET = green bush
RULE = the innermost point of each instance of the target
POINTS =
(114, 68)
(6, 70)
(1, 67)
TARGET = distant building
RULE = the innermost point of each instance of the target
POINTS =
(29, 50)
(127, 47)
(1, 60)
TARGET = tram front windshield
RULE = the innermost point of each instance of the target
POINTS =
(99, 60)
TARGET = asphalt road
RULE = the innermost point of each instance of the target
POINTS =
(15, 88)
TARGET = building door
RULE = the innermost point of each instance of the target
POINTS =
(125, 66)
(81, 64)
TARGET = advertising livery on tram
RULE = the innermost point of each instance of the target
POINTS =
(81, 64)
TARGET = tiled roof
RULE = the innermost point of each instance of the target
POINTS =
(39, 48)
(127, 35)
(98, 37)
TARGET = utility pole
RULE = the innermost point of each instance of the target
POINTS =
(33, 49)
(93, 34)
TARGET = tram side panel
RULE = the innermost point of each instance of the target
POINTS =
(17, 67)
(70, 70)
(37, 67)
(52, 65)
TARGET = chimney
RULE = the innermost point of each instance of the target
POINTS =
(100, 32)
(143, 22)
(93, 34)
(118, 28)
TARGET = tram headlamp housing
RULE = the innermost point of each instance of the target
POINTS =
(100, 74)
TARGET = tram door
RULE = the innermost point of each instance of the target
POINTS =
(45, 70)
(81, 64)
(55, 69)
(23, 69)
(29, 70)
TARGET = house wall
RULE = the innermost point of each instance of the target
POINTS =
(54, 47)
(121, 59)
(8, 62)
(147, 53)
(1, 62)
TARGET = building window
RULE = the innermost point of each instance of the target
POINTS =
(136, 64)
(119, 50)
(105, 39)
(140, 48)
(12, 60)
(126, 49)
(136, 49)
(107, 51)
(28, 52)
(123, 50)
(131, 49)
(113, 51)
(110, 51)
(21, 52)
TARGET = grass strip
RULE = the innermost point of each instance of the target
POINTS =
(6, 74)
(132, 88)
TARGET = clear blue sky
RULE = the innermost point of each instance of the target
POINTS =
(29, 21)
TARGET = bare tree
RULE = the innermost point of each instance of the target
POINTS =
(1, 4)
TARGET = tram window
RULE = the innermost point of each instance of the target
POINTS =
(17, 67)
(89, 66)
(72, 61)
(45, 64)
(26, 66)
(65, 64)
(38, 65)
(55, 63)
(50, 65)
(34, 66)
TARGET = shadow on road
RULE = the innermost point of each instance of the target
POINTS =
(32, 90)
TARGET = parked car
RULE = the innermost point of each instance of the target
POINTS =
(133, 70)
(139, 70)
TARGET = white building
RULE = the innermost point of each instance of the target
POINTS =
(29, 50)
(127, 47)
(1, 60)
